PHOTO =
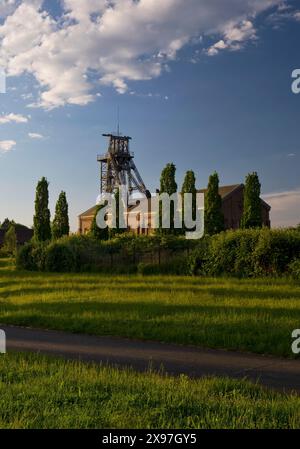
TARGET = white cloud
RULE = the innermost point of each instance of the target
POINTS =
(297, 16)
(115, 41)
(35, 136)
(12, 118)
(285, 208)
(234, 37)
(6, 145)
(214, 49)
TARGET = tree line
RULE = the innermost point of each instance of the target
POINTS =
(214, 223)
(213, 216)
(43, 228)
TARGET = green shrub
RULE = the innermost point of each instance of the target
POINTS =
(223, 252)
(10, 240)
(24, 259)
(60, 258)
(4, 253)
(197, 261)
(231, 253)
(39, 256)
(244, 265)
(275, 250)
(294, 269)
(246, 253)
(86, 249)
(31, 257)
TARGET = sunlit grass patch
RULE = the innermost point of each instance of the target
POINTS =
(41, 392)
(255, 315)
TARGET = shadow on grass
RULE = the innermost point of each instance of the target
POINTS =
(140, 309)
(36, 287)
(257, 329)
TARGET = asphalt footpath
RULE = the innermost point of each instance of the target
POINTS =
(272, 372)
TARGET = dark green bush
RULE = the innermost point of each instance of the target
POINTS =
(4, 253)
(60, 258)
(231, 253)
(244, 265)
(31, 257)
(86, 249)
(246, 253)
(294, 269)
(275, 250)
(199, 258)
(24, 259)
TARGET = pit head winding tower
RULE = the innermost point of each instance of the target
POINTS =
(117, 167)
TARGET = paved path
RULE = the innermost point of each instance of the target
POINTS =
(280, 374)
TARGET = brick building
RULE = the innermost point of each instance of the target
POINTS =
(232, 207)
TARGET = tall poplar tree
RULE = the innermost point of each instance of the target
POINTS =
(96, 232)
(214, 218)
(189, 186)
(41, 219)
(252, 213)
(10, 240)
(60, 226)
(168, 185)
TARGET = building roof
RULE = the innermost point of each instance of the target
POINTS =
(224, 190)
(89, 213)
(92, 210)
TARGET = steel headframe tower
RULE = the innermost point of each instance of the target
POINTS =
(118, 168)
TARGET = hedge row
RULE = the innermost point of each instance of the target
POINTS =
(243, 253)
(248, 253)
(83, 253)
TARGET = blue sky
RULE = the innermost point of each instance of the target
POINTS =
(206, 85)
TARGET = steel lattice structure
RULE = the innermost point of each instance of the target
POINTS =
(118, 167)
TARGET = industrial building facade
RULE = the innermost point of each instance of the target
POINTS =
(232, 207)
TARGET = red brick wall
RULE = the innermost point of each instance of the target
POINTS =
(232, 208)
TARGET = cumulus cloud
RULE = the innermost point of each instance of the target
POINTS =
(12, 118)
(234, 37)
(115, 42)
(35, 136)
(6, 145)
(285, 208)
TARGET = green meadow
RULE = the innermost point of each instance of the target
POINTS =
(44, 393)
(256, 315)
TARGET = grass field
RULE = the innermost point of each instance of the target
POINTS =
(38, 392)
(253, 315)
